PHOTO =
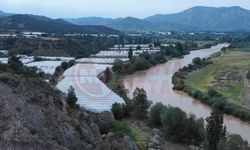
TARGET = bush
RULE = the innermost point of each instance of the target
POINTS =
(178, 127)
(197, 94)
(248, 75)
(233, 142)
(121, 129)
(118, 110)
(140, 63)
(172, 120)
(154, 118)
(212, 92)
(197, 61)
(118, 65)
(64, 65)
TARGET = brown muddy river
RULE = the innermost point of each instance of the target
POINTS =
(157, 82)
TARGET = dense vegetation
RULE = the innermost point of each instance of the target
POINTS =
(137, 106)
(176, 125)
(15, 66)
(76, 47)
(146, 60)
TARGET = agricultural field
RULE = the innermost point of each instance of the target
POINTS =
(226, 75)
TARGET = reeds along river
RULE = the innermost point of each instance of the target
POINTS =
(157, 82)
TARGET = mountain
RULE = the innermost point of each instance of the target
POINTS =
(89, 20)
(130, 23)
(194, 19)
(45, 24)
(124, 24)
(209, 18)
(3, 14)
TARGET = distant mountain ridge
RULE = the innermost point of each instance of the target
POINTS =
(45, 24)
(198, 18)
(3, 14)
(194, 19)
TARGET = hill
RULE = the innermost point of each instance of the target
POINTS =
(194, 19)
(45, 24)
(3, 14)
(34, 115)
(209, 18)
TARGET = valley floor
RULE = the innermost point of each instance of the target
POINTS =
(226, 75)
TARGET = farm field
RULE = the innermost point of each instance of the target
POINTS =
(226, 75)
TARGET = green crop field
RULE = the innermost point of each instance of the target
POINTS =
(225, 75)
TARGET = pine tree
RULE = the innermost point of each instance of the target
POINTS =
(130, 53)
(71, 99)
(215, 129)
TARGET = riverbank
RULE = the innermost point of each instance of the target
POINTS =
(157, 82)
(117, 85)
(219, 84)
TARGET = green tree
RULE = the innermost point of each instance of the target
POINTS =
(138, 47)
(71, 97)
(142, 104)
(178, 127)
(155, 114)
(179, 47)
(215, 129)
(130, 53)
(118, 110)
(197, 61)
(64, 65)
(139, 63)
(16, 64)
(118, 65)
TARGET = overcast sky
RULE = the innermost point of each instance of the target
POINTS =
(109, 8)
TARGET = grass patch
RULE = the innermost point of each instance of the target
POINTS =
(140, 136)
(225, 75)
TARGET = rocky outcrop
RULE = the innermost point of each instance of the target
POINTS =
(34, 116)
(104, 120)
(114, 142)
(155, 141)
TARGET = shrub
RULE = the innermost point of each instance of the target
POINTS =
(178, 127)
(212, 92)
(233, 142)
(248, 75)
(118, 110)
(154, 118)
(118, 65)
(64, 65)
(197, 61)
(172, 120)
(140, 63)
(197, 94)
(121, 129)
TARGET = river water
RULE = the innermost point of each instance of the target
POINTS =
(157, 82)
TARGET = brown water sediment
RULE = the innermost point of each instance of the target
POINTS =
(157, 82)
